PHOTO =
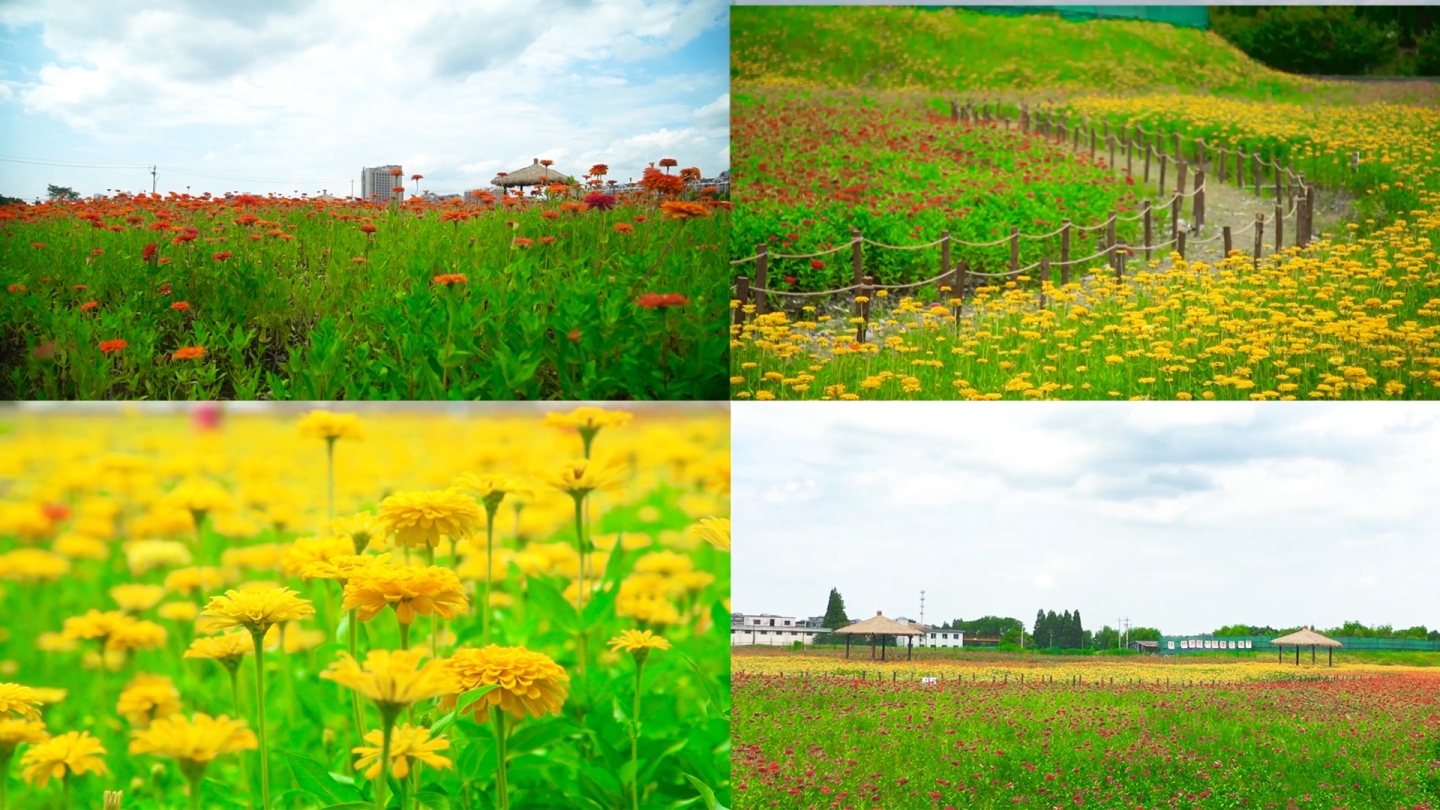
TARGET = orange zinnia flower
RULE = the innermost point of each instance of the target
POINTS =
(624, 227)
(221, 256)
(89, 305)
(684, 210)
(180, 305)
(112, 346)
(189, 353)
(661, 300)
(522, 242)
(449, 278)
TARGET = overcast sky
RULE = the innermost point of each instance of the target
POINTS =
(1180, 517)
(312, 90)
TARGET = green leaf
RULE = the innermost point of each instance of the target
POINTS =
(442, 724)
(317, 781)
(467, 699)
(350, 806)
(430, 800)
(628, 770)
(706, 793)
(539, 735)
(550, 601)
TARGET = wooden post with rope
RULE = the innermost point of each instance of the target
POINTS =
(762, 273)
(1065, 252)
(742, 294)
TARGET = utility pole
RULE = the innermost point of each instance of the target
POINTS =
(922, 607)
(154, 180)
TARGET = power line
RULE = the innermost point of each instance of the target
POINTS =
(172, 169)
(43, 162)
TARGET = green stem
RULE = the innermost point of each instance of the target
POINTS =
(502, 787)
(357, 711)
(235, 695)
(580, 582)
(383, 781)
(260, 718)
(404, 633)
(635, 739)
(489, 574)
(65, 782)
(195, 792)
(330, 477)
(6, 754)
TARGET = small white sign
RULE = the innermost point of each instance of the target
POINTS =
(929, 680)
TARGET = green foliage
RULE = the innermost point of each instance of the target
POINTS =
(1308, 39)
(1427, 53)
(61, 193)
(1064, 631)
(835, 611)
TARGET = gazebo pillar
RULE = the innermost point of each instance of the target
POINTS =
(910, 656)
(1312, 653)
(847, 645)
(1330, 656)
(1297, 655)
(1280, 659)
(872, 647)
(882, 648)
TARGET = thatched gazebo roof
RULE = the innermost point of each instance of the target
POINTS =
(1305, 638)
(532, 175)
(879, 625)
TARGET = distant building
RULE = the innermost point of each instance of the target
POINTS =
(1151, 647)
(769, 630)
(943, 638)
(376, 182)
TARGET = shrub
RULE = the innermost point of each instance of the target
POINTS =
(1309, 39)
(1427, 53)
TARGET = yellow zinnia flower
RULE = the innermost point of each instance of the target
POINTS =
(295, 557)
(420, 518)
(407, 742)
(392, 679)
(195, 741)
(491, 488)
(715, 531)
(411, 589)
(74, 752)
(96, 625)
(638, 642)
(583, 476)
(343, 567)
(18, 699)
(136, 635)
(227, 648)
(525, 681)
(13, 732)
(329, 425)
(178, 611)
(33, 565)
(186, 581)
(134, 597)
(359, 528)
(147, 697)
(255, 610)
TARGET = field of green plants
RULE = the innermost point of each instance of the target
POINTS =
(1073, 735)
(467, 611)
(250, 297)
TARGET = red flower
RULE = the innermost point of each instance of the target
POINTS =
(164, 288)
(816, 264)
(180, 306)
(449, 278)
(547, 240)
(78, 287)
(97, 252)
(661, 300)
(16, 288)
(149, 252)
(790, 279)
(624, 227)
(574, 335)
(368, 228)
(189, 353)
(37, 245)
(522, 242)
(639, 219)
(112, 346)
(221, 256)
(89, 305)
(45, 351)
(56, 511)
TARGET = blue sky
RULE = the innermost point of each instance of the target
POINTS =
(1179, 517)
(280, 91)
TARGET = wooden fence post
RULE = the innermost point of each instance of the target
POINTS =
(1199, 154)
(1255, 171)
(1180, 244)
(1014, 249)
(961, 275)
(1309, 213)
(954, 112)
(1117, 254)
(1092, 144)
(857, 255)
(1259, 237)
(1220, 163)
(1110, 237)
(1279, 198)
(1163, 161)
(1129, 155)
(1149, 153)
(762, 273)
(1176, 135)
(1149, 218)
(1279, 225)
(1228, 246)
(945, 261)
(862, 307)
(742, 294)
(1065, 252)
(1197, 211)
(1174, 219)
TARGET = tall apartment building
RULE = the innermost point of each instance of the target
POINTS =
(376, 182)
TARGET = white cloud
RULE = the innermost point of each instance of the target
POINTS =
(337, 84)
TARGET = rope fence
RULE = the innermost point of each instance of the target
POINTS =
(1290, 191)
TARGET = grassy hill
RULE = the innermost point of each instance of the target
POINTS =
(901, 48)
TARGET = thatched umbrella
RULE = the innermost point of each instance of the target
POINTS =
(878, 626)
(1306, 638)
(532, 175)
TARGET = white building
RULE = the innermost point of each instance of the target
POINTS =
(376, 183)
(943, 638)
(769, 630)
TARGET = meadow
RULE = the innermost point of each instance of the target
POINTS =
(1350, 315)
(438, 609)
(811, 732)
(569, 295)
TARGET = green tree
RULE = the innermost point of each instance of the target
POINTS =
(835, 611)
(61, 192)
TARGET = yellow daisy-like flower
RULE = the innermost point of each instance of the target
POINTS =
(56, 643)
(411, 589)
(96, 625)
(48, 695)
(583, 476)
(194, 741)
(80, 546)
(198, 495)
(13, 732)
(392, 679)
(135, 598)
(360, 528)
(344, 567)
(136, 635)
(420, 518)
(295, 557)
(330, 425)
(638, 642)
(715, 531)
(33, 565)
(588, 417)
(148, 697)
(255, 610)
(186, 581)
(407, 742)
(526, 681)
(144, 556)
(227, 648)
(178, 611)
(19, 699)
(491, 488)
(74, 752)
(293, 638)
(259, 557)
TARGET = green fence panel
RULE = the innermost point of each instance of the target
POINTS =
(1182, 645)
(1184, 16)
